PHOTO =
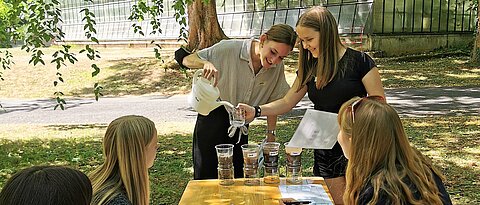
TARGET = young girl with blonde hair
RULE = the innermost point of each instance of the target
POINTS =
(129, 149)
(383, 168)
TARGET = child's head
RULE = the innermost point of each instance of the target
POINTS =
(371, 131)
(47, 185)
(276, 44)
(318, 31)
(129, 148)
(129, 141)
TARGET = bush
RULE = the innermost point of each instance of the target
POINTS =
(4, 25)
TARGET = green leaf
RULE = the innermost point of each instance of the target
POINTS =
(94, 40)
(97, 70)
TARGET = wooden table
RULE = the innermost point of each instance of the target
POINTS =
(211, 192)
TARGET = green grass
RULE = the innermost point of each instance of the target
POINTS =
(453, 143)
(435, 72)
(134, 71)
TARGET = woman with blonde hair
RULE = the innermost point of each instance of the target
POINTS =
(331, 73)
(383, 168)
(129, 148)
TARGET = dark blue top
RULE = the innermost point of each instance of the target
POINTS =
(367, 195)
(120, 199)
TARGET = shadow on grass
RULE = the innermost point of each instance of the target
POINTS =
(433, 72)
(142, 76)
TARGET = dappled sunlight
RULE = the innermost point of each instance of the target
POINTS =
(172, 152)
(465, 162)
(43, 132)
(473, 122)
(464, 75)
(410, 77)
(422, 124)
(393, 71)
(460, 61)
(476, 70)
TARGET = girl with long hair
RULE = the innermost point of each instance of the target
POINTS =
(383, 168)
(129, 148)
(331, 73)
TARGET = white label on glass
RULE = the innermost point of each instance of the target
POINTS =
(273, 153)
(252, 155)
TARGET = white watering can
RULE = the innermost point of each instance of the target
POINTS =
(204, 96)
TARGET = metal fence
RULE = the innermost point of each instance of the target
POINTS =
(423, 16)
(238, 18)
(246, 18)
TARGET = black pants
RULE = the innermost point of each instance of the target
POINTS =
(329, 163)
(209, 131)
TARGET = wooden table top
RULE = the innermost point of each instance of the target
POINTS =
(211, 192)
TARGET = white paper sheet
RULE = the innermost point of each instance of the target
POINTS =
(309, 192)
(317, 130)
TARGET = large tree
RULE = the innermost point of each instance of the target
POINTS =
(203, 27)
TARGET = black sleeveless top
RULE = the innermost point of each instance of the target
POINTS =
(354, 65)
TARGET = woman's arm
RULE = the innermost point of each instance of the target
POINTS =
(279, 106)
(209, 70)
(373, 83)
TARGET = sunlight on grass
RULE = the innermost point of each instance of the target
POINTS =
(422, 124)
(460, 61)
(465, 75)
(473, 122)
(393, 71)
(411, 77)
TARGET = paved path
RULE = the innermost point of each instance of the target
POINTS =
(408, 102)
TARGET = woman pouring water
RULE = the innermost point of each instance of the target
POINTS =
(245, 71)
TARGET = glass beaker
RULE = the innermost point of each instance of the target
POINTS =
(294, 164)
(225, 163)
(270, 163)
(250, 163)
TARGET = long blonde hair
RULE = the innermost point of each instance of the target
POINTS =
(381, 155)
(124, 169)
(325, 67)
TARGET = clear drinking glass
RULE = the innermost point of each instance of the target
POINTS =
(225, 163)
(237, 117)
(294, 164)
(250, 163)
(270, 163)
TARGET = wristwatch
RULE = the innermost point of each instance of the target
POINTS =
(271, 132)
(258, 111)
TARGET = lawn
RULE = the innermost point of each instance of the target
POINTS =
(453, 142)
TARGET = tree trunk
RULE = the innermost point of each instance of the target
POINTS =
(476, 47)
(204, 29)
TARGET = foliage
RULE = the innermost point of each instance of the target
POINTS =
(4, 25)
(142, 11)
(37, 24)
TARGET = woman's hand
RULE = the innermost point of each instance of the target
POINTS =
(249, 112)
(210, 71)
